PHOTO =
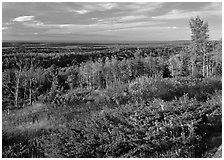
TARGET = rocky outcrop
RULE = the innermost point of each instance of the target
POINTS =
(218, 153)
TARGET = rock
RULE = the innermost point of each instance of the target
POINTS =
(218, 153)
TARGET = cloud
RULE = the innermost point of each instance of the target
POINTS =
(213, 6)
(4, 28)
(7, 23)
(81, 11)
(91, 7)
(183, 14)
(35, 24)
(131, 7)
(96, 27)
(131, 17)
(142, 31)
(121, 7)
(23, 19)
(173, 14)
(108, 6)
(147, 7)
(29, 21)
(212, 9)
(121, 19)
(113, 18)
(172, 27)
(110, 23)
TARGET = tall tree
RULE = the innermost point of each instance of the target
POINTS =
(18, 73)
(216, 59)
(199, 37)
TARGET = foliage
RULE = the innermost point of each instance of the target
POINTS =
(177, 129)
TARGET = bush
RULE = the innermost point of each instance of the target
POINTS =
(149, 129)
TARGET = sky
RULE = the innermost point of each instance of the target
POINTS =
(107, 21)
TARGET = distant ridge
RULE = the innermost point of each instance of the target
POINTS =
(101, 42)
(90, 43)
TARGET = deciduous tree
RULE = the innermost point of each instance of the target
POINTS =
(199, 38)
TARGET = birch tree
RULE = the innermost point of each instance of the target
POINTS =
(199, 38)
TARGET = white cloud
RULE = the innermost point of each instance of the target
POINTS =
(4, 28)
(62, 25)
(182, 14)
(173, 14)
(172, 27)
(148, 7)
(130, 7)
(81, 11)
(23, 18)
(37, 24)
(108, 6)
(130, 18)
(96, 27)
(213, 6)
(213, 9)
(91, 7)
(141, 29)
(100, 20)
(8, 23)
(121, 19)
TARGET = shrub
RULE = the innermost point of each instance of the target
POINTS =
(151, 129)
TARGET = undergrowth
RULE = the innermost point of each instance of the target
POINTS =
(143, 118)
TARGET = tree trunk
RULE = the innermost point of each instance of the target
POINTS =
(172, 70)
(204, 59)
(213, 67)
(24, 94)
(17, 89)
(107, 81)
(193, 69)
(203, 66)
(30, 96)
(208, 68)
